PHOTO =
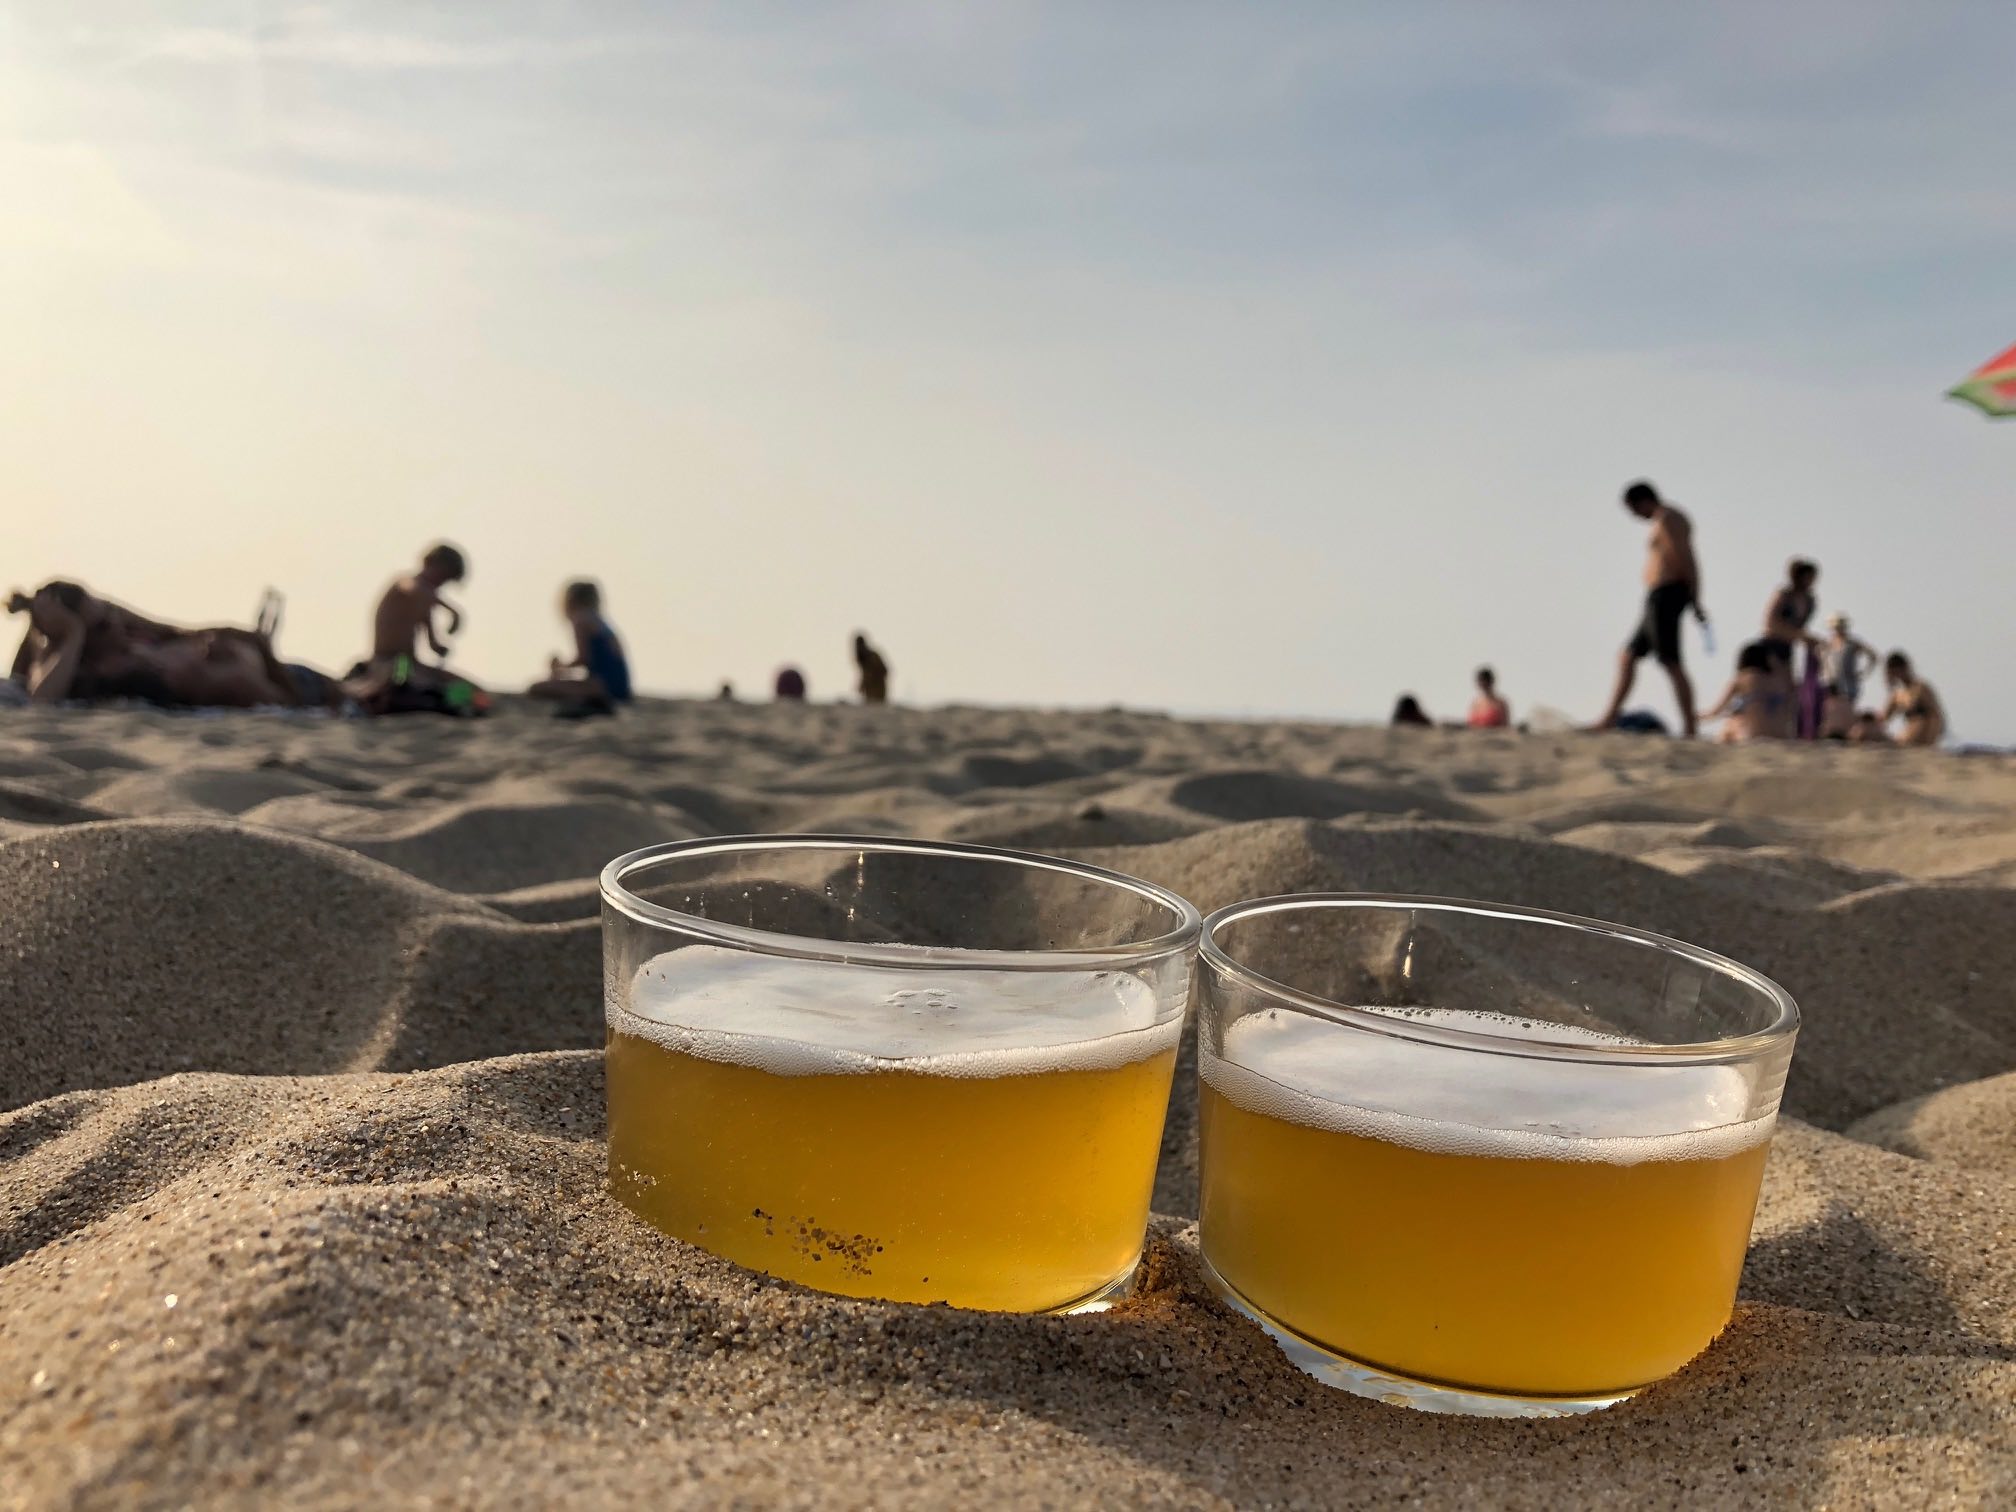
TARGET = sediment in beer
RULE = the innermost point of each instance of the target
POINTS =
(984, 1138)
(1494, 1222)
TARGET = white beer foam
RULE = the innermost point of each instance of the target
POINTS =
(822, 1018)
(1326, 1075)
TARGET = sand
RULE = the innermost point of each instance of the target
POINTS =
(301, 1195)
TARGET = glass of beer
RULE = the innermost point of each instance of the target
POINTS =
(1475, 1158)
(903, 1069)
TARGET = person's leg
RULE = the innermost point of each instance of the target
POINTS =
(1662, 628)
(280, 687)
(1627, 674)
(569, 689)
(224, 671)
(1683, 692)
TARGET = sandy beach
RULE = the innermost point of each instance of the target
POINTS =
(301, 1180)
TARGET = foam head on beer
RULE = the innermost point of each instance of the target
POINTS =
(1509, 1223)
(981, 1137)
(1438, 1096)
(794, 1017)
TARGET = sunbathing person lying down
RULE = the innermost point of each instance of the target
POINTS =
(80, 646)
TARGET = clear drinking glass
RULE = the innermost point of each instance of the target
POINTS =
(904, 1069)
(1476, 1158)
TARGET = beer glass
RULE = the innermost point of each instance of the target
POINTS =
(1476, 1158)
(891, 1068)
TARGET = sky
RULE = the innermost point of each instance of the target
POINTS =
(1256, 359)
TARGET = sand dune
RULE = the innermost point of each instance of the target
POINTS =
(302, 1179)
(1973, 1124)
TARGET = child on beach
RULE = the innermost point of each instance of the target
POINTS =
(1487, 710)
(393, 679)
(597, 679)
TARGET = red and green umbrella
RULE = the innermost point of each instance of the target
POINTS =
(1991, 388)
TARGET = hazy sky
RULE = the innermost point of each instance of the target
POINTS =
(1207, 357)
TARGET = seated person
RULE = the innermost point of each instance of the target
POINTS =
(1758, 703)
(598, 677)
(80, 646)
(393, 678)
(1914, 701)
(790, 685)
(1408, 711)
(1487, 710)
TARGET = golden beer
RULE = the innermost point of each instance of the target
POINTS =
(978, 1138)
(1504, 1234)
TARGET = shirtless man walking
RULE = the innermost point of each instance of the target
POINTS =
(1673, 586)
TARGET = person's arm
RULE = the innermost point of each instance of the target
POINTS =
(1722, 704)
(24, 657)
(581, 639)
(454, 615)
(1865, 656)
(429, 600)
(56, 670)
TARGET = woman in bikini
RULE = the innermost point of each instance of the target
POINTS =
(1757, 704)
(1914, 701)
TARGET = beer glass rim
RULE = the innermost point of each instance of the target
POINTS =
(1183, 936)
(1782, 1025)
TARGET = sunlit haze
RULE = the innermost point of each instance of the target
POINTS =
(1235, 359)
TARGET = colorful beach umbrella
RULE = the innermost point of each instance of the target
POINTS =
(1991, 388)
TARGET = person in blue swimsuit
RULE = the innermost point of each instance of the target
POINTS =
(597, 680)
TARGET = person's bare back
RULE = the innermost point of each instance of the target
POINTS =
(406, 608)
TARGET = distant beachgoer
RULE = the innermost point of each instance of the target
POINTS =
(1844, 662)
(1914, 701)
(727, 693)
(83, 647)
(790, 685)
(1791, 607)
(406, 608)
(596, 680)
(1408, 711)
(1487, 710)
(393, 679)
(1786, 616)
(874, 672)
(1673, 586)
(1758, 703)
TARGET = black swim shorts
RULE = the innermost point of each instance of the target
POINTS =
(1658, 632)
